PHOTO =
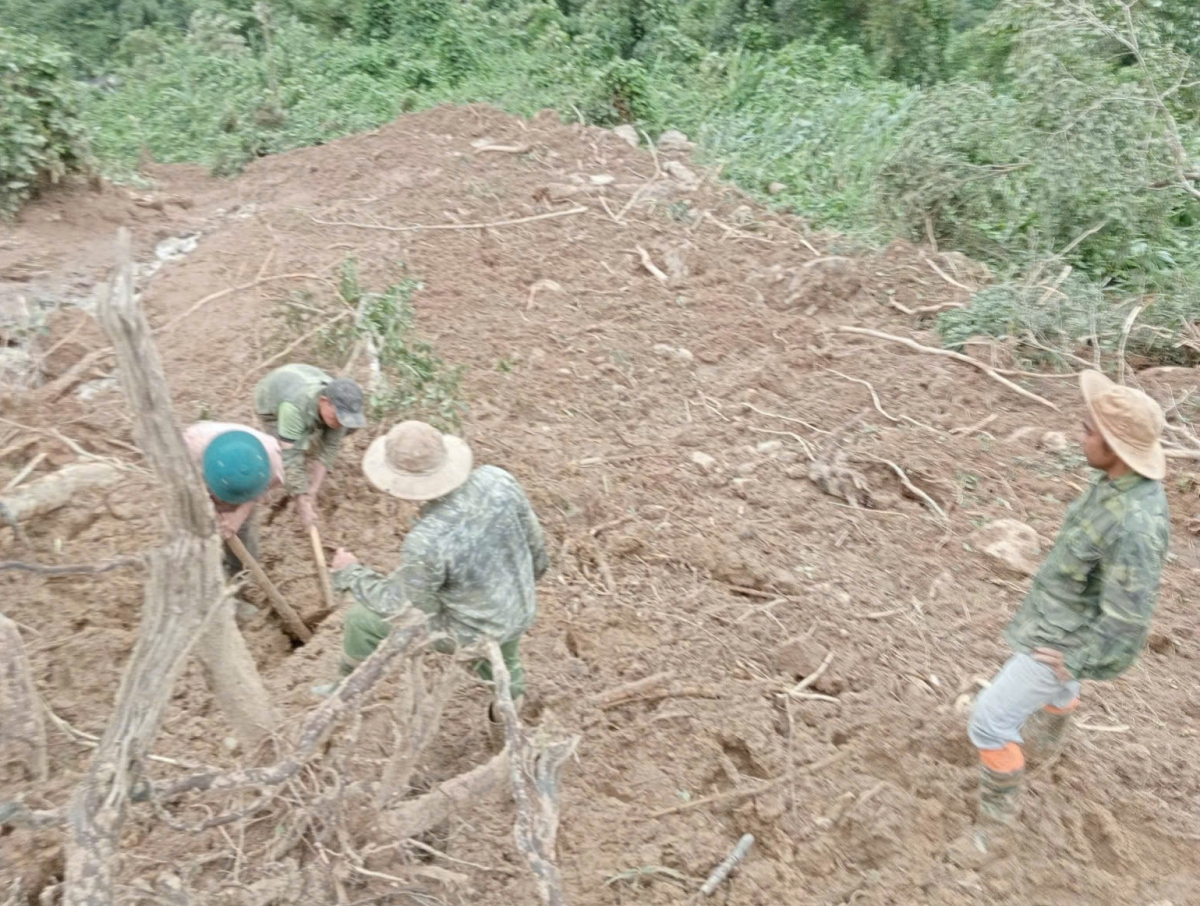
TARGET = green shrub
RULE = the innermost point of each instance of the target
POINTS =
(41, 137)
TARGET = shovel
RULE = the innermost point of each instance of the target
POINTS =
(292, 623)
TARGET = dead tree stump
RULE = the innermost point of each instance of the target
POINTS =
(22, 730)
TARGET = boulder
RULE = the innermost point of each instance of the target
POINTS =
(628, 134)
(1009, 543)
(674, 141)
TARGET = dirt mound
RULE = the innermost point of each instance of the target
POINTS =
(675, 488)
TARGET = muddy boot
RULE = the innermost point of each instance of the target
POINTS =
(992, 836)
(1044, 733)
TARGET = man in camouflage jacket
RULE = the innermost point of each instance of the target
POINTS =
(1087, 613)
(310, 413)
(470, 561)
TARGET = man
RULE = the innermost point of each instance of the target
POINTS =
(310, 412)
(470, 561)
(1087, 613)
(239, 465)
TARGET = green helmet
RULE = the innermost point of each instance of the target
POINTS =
(236, 467)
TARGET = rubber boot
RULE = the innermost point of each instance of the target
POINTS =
(991, 837)
(1044, 733)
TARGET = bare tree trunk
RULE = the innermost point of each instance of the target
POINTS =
(48, 494)
(234, 679)
(22, 730)
(184, 582)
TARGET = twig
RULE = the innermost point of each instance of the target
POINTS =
(921, 495)
(941, 273)
(978, 426)
(958, 357)
(611, 697)
(24, 473)
(823, 259)
(77, 569)
(812, 677)
(58, 387)
(87, 739)
(650, 266)
(426, 848)
(721, 872)
(1096, 728)
(452, 226)
(653, 154)
(870, 387)
(673, 692)
(212, 297)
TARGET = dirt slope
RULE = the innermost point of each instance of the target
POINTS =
(664, 560)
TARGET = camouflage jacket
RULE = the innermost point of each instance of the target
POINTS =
(1094, 595)
(470, 562)
(286, 401)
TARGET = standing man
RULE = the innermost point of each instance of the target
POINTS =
(470, 561)
(1087, 613)
(239, 465)
(310, 412)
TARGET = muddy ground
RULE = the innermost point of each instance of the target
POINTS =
(661, 425)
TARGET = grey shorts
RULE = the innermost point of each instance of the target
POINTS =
(1022, 687)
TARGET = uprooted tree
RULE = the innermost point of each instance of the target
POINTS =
(309, 789)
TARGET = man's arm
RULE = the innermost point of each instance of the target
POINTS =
(416, 580)
(536, 540)
(1131, 572)
(293, 431)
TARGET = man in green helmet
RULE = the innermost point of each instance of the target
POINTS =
(239, 466)
(310, 413)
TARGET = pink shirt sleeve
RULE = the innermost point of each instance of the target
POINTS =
(198, 436)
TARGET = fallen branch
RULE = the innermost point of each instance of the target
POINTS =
(24, 473)
(978, 426)
(55, 490)
(721, 872)
(673, 692)
(75, 569)
(650, 266)
(914, 490)
(534, 775)
(871, 388)
(452, 226)
(941, 273)
(302, 338)
(464, 792)
(63, 383)
(611, 697)
(950, 354)
(734, 796)
(315, 727)
(220, 294)
(1125, 329)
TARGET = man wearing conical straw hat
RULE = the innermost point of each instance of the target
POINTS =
(1087, 613)
(470, 561)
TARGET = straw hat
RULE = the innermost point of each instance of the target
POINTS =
(1129, 421)
(415, 461)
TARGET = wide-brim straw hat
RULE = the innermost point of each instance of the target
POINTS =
(1129, 421)
(415, 461)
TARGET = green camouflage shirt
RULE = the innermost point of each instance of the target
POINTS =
(470, 562)
(286, 401)
(1094, 595)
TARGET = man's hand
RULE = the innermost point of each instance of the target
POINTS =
(228, 524)
(1054, 660)
(341, 559)
(306, 511)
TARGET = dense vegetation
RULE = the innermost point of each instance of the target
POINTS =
(1056, 140)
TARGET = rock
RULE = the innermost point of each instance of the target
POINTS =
(685, 176)
(602, 179)
(674, 141)
(667, 351)
(555, 192)
(245, 610)
(1053, 442)
(628, 134)
(704, 462)
(797, 657)
(776, 188)
(768, 447)
(1010, 543)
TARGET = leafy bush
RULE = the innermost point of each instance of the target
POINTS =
(412, 379)
(41, 137)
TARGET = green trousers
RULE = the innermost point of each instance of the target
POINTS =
(363, 630)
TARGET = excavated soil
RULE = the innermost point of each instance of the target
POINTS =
(661, 426)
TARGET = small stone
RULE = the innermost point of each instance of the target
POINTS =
(1053, 442)
(775, 188)
(1009, 543)
(843, 597)
(767, 447)
(674, 141)
(685, 176)
(747, 467)
(245, 610)
(628, 134)
(704, 462)
(602, 179)
(231, 744)
(664, 349)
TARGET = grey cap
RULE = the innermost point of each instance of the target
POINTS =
(347, 399)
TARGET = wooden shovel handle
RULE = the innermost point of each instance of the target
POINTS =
(291, 622)
(322, 569)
